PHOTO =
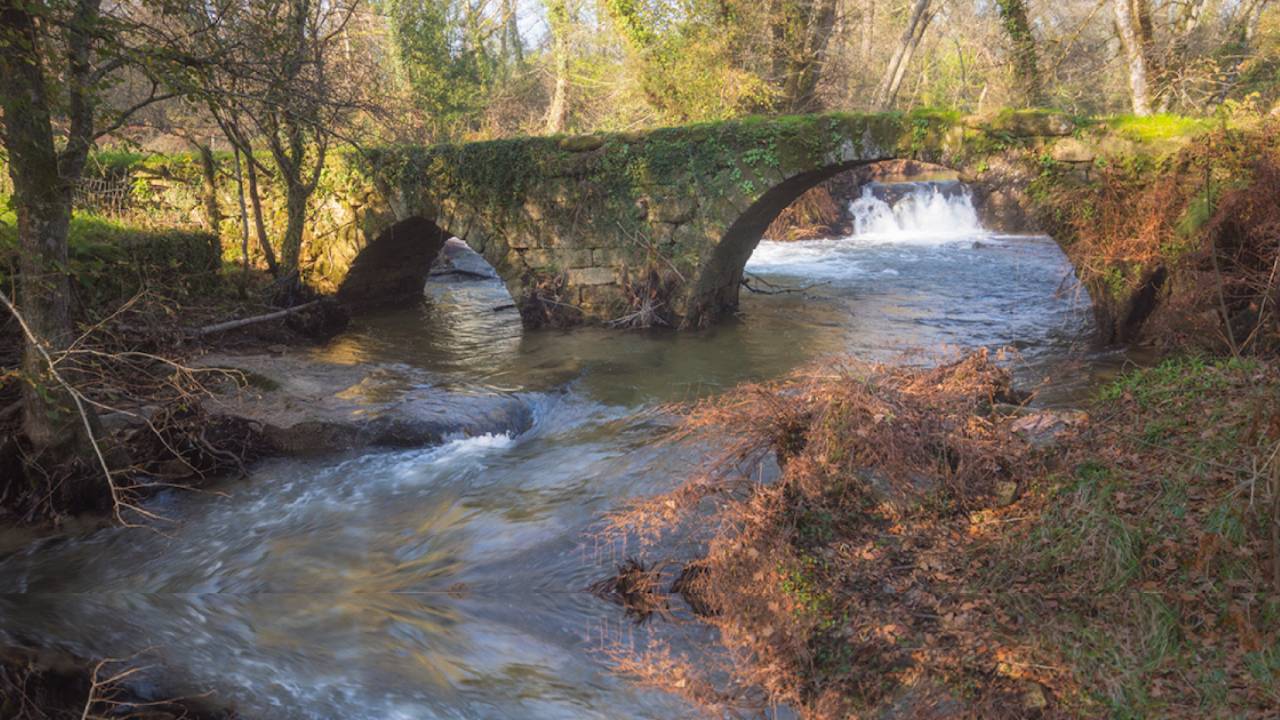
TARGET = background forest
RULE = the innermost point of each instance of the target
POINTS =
(477, 69)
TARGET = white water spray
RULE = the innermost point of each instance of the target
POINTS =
(927, 213)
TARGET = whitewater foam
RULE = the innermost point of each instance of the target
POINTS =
(927, 214)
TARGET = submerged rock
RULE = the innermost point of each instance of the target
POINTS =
(312, 407)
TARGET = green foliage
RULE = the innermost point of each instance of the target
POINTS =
(109, 262)
(441, 55)
(801, 584)
(688, 62)
(1174, 379)
(1155, 536)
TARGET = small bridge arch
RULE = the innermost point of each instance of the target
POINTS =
(599, 228)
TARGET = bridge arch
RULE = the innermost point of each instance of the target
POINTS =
(392, 265)
(717, 286)
(716, 290)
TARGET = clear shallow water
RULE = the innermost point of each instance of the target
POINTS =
(447, 582)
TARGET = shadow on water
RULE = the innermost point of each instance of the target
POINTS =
(449, 581)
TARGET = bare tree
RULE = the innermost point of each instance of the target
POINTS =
(891, 82)
(279, 76)
(1131, 44)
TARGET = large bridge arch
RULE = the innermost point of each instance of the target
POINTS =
(659, 225)
(718, 284)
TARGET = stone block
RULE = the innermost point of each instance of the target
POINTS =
(601, 297)
(522, 240)
(1071, 150)
(573, 258)
(672, 208)
(592, 276)
(605, 257)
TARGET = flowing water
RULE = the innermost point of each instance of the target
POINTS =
(447, 582)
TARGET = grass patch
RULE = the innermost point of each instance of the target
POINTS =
(1145, 572)
(1154, 128)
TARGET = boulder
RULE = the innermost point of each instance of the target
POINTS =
(1047, 427)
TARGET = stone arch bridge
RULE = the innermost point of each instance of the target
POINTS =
(634, 228)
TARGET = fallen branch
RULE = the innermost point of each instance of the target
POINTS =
(118, 501)
(775, 289)
(244, 322)
(463, 273)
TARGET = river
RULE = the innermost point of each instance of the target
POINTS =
(447, 582)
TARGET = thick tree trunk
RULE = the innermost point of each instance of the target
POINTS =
(1147, 42)
(801, 34)
(296, 196)
(1131, 44)
(887, 92)
(1026, 70)
(42, 201)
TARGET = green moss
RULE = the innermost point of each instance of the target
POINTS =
(1154, 128)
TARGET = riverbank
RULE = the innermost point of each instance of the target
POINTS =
(40, 684)
(928, 551)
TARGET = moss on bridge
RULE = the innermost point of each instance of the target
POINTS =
(601, 227)
(499, 175)
(608, 220)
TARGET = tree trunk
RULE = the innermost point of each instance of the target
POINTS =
(1147, 43)
(801, 36)
(897, 68)
(42, 202)
(259, 226)
(296, 195)
(558, 110)
(244, 222)
(1131, 44)
(868, 28)
(1026, 71)
(512, 46)
(209, 199)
